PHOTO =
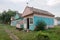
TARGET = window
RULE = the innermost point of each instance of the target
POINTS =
(31, 20)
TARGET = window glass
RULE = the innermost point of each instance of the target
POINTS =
(31, 20)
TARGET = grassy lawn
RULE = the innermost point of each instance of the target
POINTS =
(54, 33)
(3, 34)
(21, 34)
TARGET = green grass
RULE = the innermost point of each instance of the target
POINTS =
(54, 33)
(21, 34)
(3, 34)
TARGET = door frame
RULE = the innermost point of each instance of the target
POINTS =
(27, 23)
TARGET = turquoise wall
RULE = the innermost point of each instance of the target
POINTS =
(15, 22)
(31, 27)
(48, 21)
(16, 16)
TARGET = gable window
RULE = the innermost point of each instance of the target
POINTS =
(30, 20)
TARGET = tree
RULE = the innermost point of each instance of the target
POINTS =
(40, 25)
(6, 16)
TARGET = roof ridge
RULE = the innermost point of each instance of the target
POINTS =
(39, 10)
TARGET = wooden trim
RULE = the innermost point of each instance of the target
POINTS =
(39, 14)
(28, 15)
(29, 21)
(43, 14)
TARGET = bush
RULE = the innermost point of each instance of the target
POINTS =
(41, 36)
(40, 25)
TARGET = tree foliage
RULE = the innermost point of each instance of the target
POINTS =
(40, 25)
(5, 16)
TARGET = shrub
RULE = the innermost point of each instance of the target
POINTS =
(40, 25)
(41, 36)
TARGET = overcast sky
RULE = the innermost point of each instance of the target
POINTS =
(52, 6)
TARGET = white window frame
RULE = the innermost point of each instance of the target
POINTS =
(29, 22)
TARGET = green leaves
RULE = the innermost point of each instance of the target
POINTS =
(6, 16)
(40, 25)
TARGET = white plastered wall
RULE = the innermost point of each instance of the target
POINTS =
(55, 22)
(25, 21)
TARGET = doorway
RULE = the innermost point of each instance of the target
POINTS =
(27, 23)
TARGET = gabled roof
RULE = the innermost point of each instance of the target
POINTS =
(39, 11)
(20, 15)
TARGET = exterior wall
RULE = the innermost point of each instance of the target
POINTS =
(16, 16)
(25, 23)
(20, 24)
(13, 23)
(58, 23)
(55, 22)
(31, 26)
(48, 20)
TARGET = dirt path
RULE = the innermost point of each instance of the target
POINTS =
(12, 36)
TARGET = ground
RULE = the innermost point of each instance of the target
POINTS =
(54, 33)
(3, 34)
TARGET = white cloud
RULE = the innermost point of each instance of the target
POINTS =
(17, 1)
(52, 2)
(19, 5)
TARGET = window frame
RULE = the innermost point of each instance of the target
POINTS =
(30, 21)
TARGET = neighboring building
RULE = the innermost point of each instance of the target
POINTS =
(57, 21)
(15, 19)
(19, 25)
(32, 16)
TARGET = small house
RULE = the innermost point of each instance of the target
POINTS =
(32, 15)
(15, 19)
(19, 25)
(57, 20)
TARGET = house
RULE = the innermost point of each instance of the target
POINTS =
(57, 20)
(32, 15)
(19, 25)
(15, 19)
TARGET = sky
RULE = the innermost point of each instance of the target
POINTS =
(52, 6)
